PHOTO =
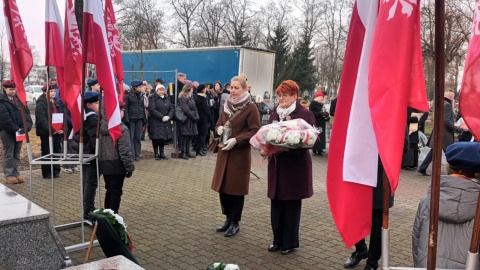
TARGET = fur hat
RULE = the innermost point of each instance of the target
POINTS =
(464, 156)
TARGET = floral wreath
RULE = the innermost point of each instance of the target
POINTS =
(117, 222)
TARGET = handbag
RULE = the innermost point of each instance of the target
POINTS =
(213, 145)
(179, 115)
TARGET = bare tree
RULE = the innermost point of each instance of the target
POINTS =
(3, 52)
(273, 15)
(458, 21)
(211, 23)
(332, 39)
(238, 21)
(140, 23)
(186, 15)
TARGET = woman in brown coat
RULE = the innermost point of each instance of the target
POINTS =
(289, 174)
(232, 171)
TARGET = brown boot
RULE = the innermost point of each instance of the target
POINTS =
(11, 180)
(20, 179)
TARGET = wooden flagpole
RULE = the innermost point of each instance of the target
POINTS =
(49, 113)
(437, 131)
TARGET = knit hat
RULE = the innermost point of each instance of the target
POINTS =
(319, 94)
(266, 95)
(464, 156)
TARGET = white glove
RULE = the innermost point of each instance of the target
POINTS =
(229, 144)
(165, 118)
(220, 130)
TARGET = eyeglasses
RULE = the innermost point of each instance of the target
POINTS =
(283, 96)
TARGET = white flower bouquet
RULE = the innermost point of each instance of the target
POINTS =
(281, 136)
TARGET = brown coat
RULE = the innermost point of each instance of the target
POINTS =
(290, 173)
(232, 171)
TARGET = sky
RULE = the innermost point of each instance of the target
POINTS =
(33, 17)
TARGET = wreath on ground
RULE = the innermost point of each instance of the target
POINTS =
(117, 222)
(223, 266)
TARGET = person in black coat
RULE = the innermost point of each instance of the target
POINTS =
(42, 125)
(160, 121)
(188, 129)
(10, 123)
(410, 158)
(321, 118)
(135, 115)
(205, 118)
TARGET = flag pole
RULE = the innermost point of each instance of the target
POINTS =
(385, 219)
(437, 131)
(65, 129)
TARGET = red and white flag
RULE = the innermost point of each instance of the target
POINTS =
(73, 60)
(470, 91)
(21, 60)
(114, 43)
(97, 51)
(396, 80)
(353, 158)
(54, 43)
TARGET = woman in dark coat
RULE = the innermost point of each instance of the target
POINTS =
(188, 129)
(135, 115)
(232, 170)
(321, 118)
(42, 124)
(203, 124)
(289, 174)
(160, 125)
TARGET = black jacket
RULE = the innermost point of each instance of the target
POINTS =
(41, 115)
(158, 108)
(134, 106)
(89, 133)
(10, 115)
(204, 111)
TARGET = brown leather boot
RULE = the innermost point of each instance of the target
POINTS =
(20, 179)
(11, 180)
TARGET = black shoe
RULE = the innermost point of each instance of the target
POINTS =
(273, 248)
(47, 176)
(287, 251)
(184, 156)
(205, 149)
(200, 153)
(225, 226)
(422, 172)
(157, 157)
(355, 259)
(369, 267)
(190, 156)
(232, 230)
(162, 156)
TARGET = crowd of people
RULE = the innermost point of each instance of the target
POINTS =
(228, 112)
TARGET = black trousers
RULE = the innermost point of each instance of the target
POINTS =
(114, 191)
(232, 206)
(375, 249)
(202, 134)
(285, 218)
(57, 148)
(90, 184)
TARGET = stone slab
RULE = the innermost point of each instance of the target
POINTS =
(117, 262)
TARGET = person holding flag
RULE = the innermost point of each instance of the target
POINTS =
(11, 126)
(46, 128)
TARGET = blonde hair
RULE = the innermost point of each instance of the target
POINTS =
(241, 80)
(186, 91)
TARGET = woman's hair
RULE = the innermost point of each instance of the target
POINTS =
(241, 80)
(453, 170)
(288, 87)
(219, 83)
(186, 91)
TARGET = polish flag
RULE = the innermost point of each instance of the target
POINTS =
(396, 80)
(114, 43)
(470, 91)
(97, 51)
(21, 60)
(57, 121)
(353, 156)
(73, 60)
(54, 43)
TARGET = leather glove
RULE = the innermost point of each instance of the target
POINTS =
(220, 130)
(22, 131)
(229, 144)
(165, 118)
(128, 174)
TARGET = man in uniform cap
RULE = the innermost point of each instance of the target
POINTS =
(93, 85)
(11, 123)
(459, 191)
